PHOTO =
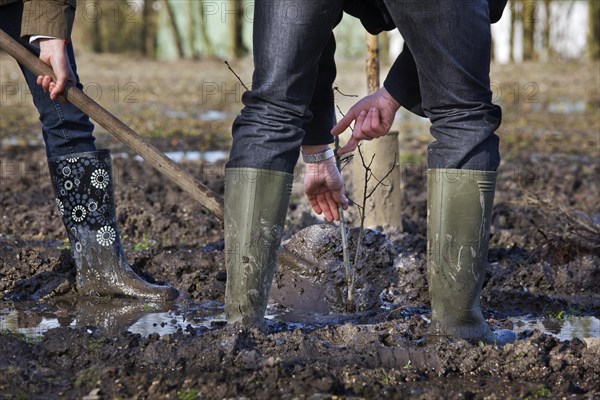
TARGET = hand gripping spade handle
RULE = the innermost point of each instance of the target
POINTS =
(199, 192)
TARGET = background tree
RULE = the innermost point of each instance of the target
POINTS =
(594, 30)
(546, 34)
(192, 25)
(529, 19)
(235, 18)
(513, 21)
(149, 29)
(206, 42)
(174, 28)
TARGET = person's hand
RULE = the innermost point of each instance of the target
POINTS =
(54, 53)
(373, 116)
(324, 189)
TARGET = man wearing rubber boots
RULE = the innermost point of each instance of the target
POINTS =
(443, 74)
(81, 175)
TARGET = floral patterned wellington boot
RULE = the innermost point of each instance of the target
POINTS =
(84, 197)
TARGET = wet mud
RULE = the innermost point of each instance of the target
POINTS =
(55, 343)
(542, 281)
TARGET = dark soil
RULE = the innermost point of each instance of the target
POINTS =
(544, 260)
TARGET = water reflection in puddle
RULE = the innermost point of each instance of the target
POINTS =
(209, 115)
(564, 106)
(9, 321)
(563, 329)
(206, 156)
(210, 156)
(192, 317)
(33, 320)
(19, 141)
(113, 317)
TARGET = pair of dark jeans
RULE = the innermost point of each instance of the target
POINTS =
(443, 74)
(291, 101)
(65, 128)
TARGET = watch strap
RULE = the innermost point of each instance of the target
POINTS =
(318, 157)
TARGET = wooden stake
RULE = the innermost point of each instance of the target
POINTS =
(372, 69)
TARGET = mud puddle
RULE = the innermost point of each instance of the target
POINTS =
(20, 141)
(563, 328)
(111, 317)
(210, 156)
(34, 319)
(208, 115)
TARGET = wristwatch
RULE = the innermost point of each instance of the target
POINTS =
(318, 157)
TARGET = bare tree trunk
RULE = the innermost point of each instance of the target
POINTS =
(96, 32)
(239, 33)
(528, 12)
(513, 20)
(115, 26)
(235, 20)
(594, 30)
(192, 29)
(149, 27)
(206, 43)
(383, 207)
(548, 12)
(174, 29)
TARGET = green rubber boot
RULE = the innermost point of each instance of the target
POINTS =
(459, 212)
(256, 202)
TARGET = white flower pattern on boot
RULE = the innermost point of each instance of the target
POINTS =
(79, 213)
(83, 197)
(61, 207)
(100, 179)
(106, 236)
(92, 206)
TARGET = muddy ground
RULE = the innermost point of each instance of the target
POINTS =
(544, 262)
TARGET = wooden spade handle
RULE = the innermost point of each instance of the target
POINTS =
(199, 192)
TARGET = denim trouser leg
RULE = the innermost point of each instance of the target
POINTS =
(289, 38)
(450, 41)
(66, 129)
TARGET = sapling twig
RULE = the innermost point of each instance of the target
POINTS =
(349, 267)
(344, 230)
(336, 89)
(237, 76)
(362, 211)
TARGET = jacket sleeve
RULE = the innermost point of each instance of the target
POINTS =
(373, 15)
(317, 130)
(496, 9)
(402, 82)
(48, 18)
